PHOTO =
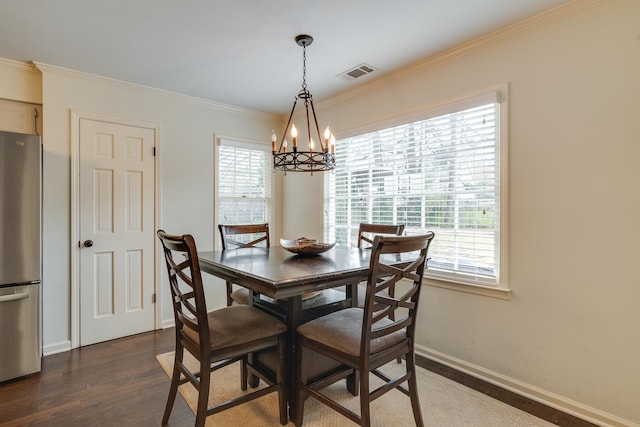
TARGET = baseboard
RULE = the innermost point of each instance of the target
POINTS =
(166, 324)
(57, 347)
(537, 394)
(61, 346)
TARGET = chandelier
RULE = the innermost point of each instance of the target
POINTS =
(311, 158)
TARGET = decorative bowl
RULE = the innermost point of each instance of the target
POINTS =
(304, 246)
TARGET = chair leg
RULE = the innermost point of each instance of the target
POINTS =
(281, 379)
(243, 373)
(203, 392)
(365, 412)
(229, 290)
(353, 383)
(413, 390)
(173, 388)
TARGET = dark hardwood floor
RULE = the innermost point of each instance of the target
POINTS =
(115, 383)
(120, 383)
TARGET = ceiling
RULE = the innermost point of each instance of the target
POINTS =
(242, 52)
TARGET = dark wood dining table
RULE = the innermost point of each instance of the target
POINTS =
(285, 277)
(280, 274)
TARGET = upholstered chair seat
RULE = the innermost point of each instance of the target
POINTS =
(240, 296)
(238, 325)
(343, 331)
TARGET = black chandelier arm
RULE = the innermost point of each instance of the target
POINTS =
(284, 134)
(306, 109)
(315, 119)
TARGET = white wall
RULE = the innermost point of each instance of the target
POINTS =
(570, 333)
(187, 129)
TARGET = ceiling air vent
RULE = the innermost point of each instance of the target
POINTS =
(357, 72)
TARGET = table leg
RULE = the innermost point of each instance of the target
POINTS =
(294, 319)
(353, 385)
(253, 380)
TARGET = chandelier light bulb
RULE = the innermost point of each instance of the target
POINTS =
(327, 135)
(273, 140)
(294, 135)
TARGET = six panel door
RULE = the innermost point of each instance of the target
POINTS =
(116, 230)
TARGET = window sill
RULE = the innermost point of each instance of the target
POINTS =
(487, 291)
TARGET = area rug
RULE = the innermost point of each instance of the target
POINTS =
(443, 402)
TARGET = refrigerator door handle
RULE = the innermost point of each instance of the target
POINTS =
(13, 297)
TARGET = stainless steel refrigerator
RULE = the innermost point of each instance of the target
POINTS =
(20, 254)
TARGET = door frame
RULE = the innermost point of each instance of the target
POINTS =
(74, 307)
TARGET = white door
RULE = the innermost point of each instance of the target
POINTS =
(116, 187)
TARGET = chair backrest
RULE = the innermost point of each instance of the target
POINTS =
(385, 315)
(366, 232)
(188, 301)
(244, 235)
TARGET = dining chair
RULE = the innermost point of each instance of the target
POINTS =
(217, 338)
(366, 233)
(363, 340)
(242, 236)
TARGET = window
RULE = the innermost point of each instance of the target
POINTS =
(438, 173)
(244, 183)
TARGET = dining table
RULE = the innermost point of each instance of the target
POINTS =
(287, 285)
(281, 280)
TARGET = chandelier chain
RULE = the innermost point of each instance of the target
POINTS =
(304, 67)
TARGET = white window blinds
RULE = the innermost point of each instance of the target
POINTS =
(440, 174)
(244, 183)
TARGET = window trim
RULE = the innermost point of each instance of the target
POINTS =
(498, 288)
(231, 141)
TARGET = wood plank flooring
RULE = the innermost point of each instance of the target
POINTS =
(119, 383)
(115, 383)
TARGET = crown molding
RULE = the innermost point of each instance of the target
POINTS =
(510, 31)
(22, 66)
(204, 102)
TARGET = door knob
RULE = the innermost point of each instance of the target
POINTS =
(88, 243)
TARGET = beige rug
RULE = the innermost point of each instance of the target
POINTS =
(443, 402)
